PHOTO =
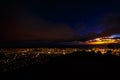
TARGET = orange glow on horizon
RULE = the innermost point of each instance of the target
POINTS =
(95, 42)
(101, 41)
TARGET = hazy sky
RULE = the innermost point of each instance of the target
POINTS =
(58, 20)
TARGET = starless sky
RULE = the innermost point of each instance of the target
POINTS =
(58, 20)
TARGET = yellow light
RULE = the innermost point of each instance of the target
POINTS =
(98, 39)
(64, 53)
(100, 42)
(49, 52)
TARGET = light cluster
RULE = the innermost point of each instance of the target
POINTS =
(15, 58)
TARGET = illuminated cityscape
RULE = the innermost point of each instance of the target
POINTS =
(56, 51)
(15, 58)
(59, 38)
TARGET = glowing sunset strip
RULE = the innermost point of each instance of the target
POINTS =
(101, 41)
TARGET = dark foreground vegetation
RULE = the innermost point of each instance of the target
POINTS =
(77, 62)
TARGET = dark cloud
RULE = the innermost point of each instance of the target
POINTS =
(30, 28)
(41, 20)
(89, 36)
(18, 23)
(111, 25)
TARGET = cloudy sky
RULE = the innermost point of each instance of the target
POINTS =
(58, 20)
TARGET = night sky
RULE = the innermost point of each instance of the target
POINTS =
(60, 20)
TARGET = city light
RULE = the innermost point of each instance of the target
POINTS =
(28, 56)
(54, 51)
